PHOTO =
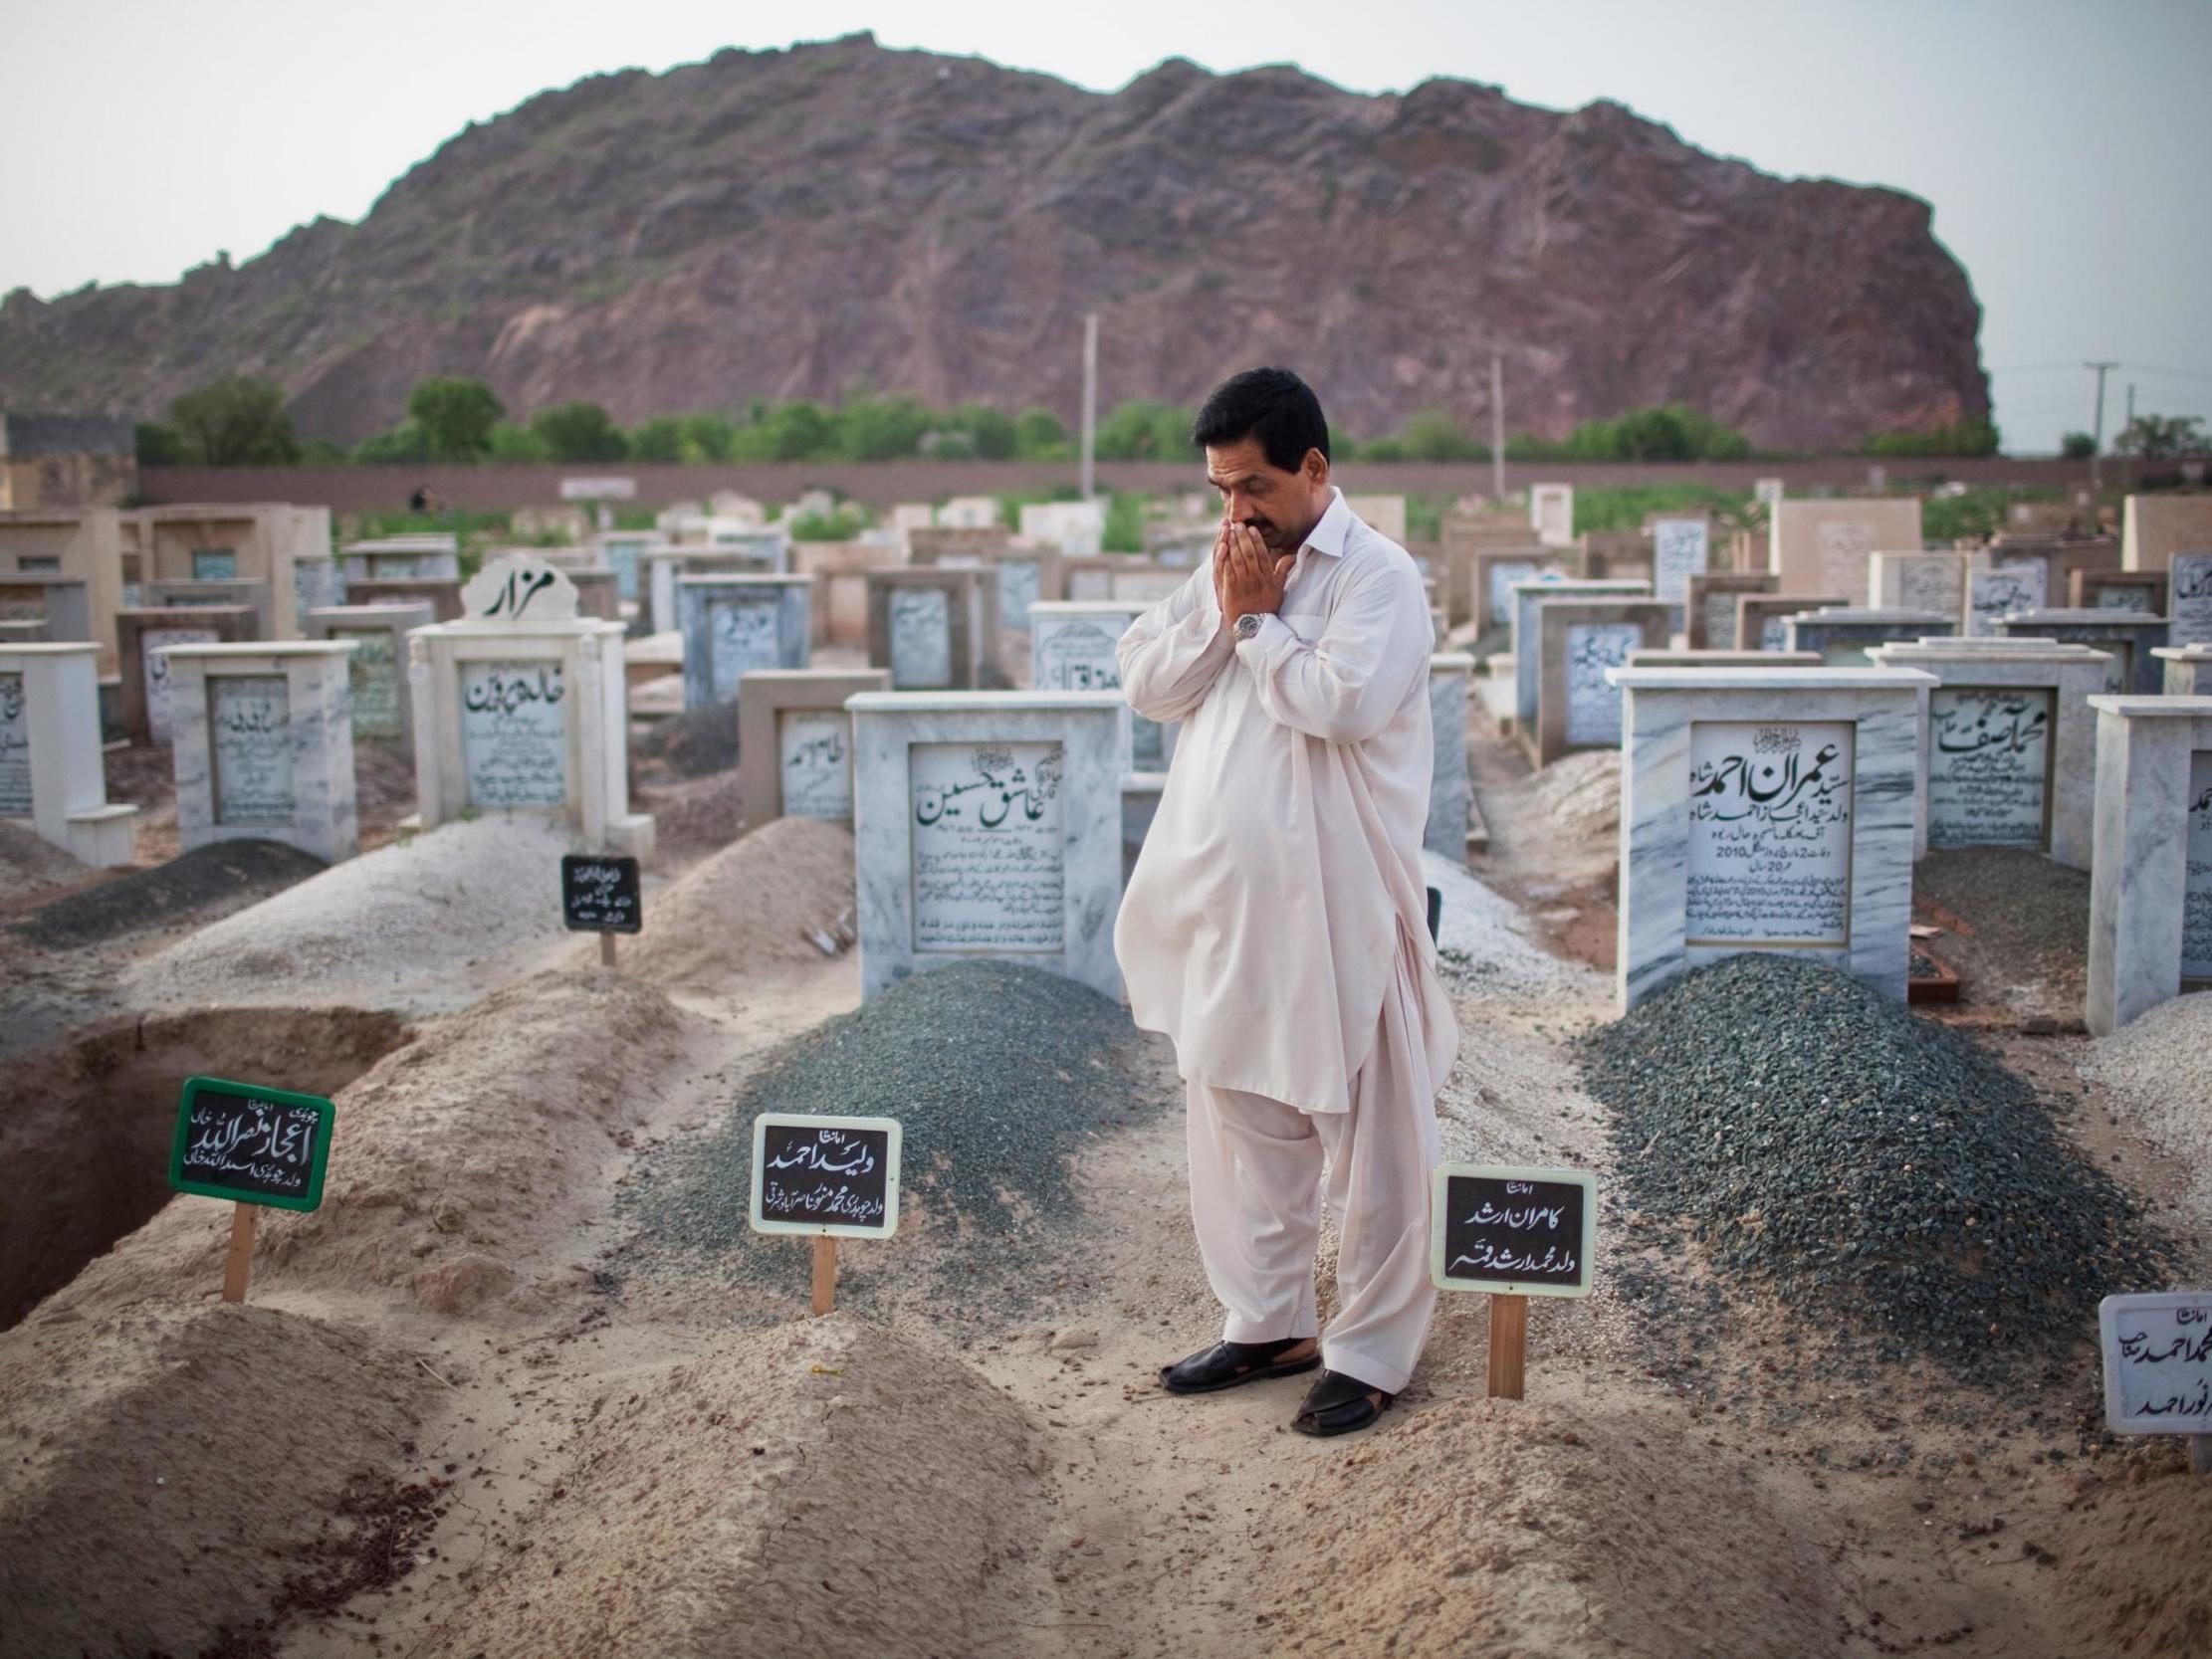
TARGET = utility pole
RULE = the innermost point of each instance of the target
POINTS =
(1090, 405)
(1497, 430)
(2128, 467)
(2096, 455)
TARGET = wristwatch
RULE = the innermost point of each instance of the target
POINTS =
(1247, 625)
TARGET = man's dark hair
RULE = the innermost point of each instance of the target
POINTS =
(1271, 404)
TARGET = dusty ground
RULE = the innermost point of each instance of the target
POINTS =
(546, 1448)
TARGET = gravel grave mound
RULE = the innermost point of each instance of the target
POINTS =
(2158, 1072)
(1864, 1163)
(817, 1488)
(1523, 1528)
(182, 1477)
(2135, 1555)
(459, 1165)
(998, 1075)
(226, 874)
(1483, 943)
(695, 743)
(743, 910)
(424, 924)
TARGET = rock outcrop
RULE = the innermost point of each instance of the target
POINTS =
(779, 224)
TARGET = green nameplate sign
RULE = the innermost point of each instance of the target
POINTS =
(257, 1146)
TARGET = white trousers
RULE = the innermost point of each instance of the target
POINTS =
(1259, 1170)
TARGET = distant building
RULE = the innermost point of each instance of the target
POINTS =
(51, 461)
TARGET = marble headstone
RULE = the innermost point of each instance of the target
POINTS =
(2150, 884)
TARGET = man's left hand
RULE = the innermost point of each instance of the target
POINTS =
(1249, 577)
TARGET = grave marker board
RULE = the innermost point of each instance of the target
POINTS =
(1989, 766)
(600, 893)
(2157, 1363)
(1770, 827)
(1512, 1231)
(255, 1146)
(833, 1176)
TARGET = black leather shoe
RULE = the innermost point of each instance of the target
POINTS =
(1229, 1365)
(1338, 1404)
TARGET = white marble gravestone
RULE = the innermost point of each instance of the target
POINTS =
(382, 707)
(2008, 743)
(1075, 529)
(1551, 513)
(1766, 811)
(1827, 546)
(51, 768)
(1921, 582)
(263, 737)
(432, 556)
(795, 742)
(2188, 669)
(1451, 794)
(2150, 884)
(521, 706)
(1680, 548)
(1842, 634)
(922, 637)
(1527, 596)
(2129, 636)
(733, 625)
(155, 645)
(987, 825)
(1995, 594)
(1072, 649)
(2189, 601)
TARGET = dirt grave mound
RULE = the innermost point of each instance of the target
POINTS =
(87, 1150)
(222, 876)
(423, 924)
(693, 744)
(824, 1488)
(176, 1476)
(452, 1161)
(744, 910)
(1864, 1163)
(33, 867)
(2134, 1555)
(1515, 1529)
(2156, 1070)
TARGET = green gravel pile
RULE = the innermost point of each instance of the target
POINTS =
(1870, 1168)
(998, 1075)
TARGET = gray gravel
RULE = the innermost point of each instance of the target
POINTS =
(1874, 1170)
(997, 1073)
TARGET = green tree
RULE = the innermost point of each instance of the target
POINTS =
(2078, 446)
(1431, 435)
(579, 431)
(875, 428)
(1039, 436)
(2161, 437)
(707, 437)
(456, 416)
(159, 444)
(993, 431)
(515, 446)
(403, 444)
(321, 452)
(659, 439)
(1145, 430)
(238, 421)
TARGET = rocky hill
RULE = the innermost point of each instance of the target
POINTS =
(779, 224)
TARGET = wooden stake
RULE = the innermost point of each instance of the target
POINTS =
(1508, 1346)
(825, 1272)
(2200, 1453)
(606, 949)
(240, 1262)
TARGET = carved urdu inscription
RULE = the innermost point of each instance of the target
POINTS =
(989, 847)
(1770, 816)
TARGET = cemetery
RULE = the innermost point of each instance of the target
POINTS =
(498, 1203)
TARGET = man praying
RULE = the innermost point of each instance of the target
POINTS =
(1275, 925)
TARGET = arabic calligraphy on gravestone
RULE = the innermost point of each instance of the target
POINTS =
(814, 751)
(1770, 815)
(1513, 1230)
(1843, 548)
(1991, 594)
(1593, 706)
(152, 643)
(15, 750)
(2189, 606)
(741, 639)
(258, 1146)
(2196, 883)
(1019, 583)
(1680, 550)
(1774, 633)
(988, 848)
(622, 558)
(2157, 1353)
(838, 1177)
(1935, 583)
(2124, 597)
(514, 733)
(248, 725)
(1079, 656)
(373, 670)
(1989, 766)
(1503, 574)
(1720, 620)
(921, 638)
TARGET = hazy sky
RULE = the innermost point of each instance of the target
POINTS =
(2062, 144)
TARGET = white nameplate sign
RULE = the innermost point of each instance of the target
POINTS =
(1770, 816)
(514, 733)
(2157, 1363)
(988, 848)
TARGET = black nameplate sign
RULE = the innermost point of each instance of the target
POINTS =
(1512, 1231)
(257, 1146)
(601, 895)
(834, 1175)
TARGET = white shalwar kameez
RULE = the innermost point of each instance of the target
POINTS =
(1276, 930)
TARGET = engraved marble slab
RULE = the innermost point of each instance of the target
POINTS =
(1993, 594)
(921, 638)
(742, 637)
(987, 847)
(814, 750)
(151, 644)
(215, 564)
(1843, 548)
(374, 673)
(1020, 581)
(250, 742)
(514, 733)
(1680, 550)
(15, 750)
(1989, 766)
(2196, 885)
(2150, 912)
(1594, 705)
(1770, 812)
(2189, 601)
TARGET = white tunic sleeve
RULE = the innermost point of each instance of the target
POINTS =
(1344, 685)
(1171, 656)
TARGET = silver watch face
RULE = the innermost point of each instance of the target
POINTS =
(1247, 625)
